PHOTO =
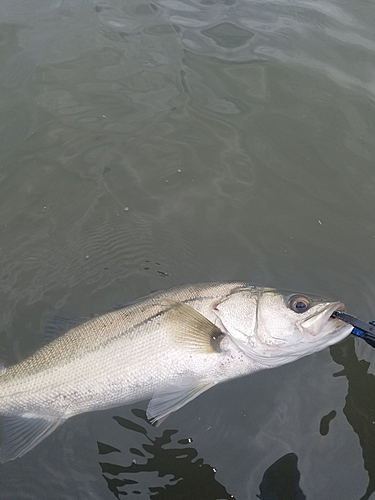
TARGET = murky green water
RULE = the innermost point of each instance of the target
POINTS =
(150, 144)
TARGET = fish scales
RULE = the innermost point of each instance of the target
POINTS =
(92, 354)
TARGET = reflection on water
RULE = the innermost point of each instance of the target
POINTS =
(189, 477)
(185, 476)
(281, 480)
(325, 421)
(359, 408)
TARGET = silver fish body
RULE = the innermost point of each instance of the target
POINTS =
(169, 347)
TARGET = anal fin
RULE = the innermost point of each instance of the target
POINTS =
(173, 398)
(20, 433)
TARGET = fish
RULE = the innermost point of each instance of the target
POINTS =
(168, 347)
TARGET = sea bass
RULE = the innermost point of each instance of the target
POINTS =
(170, 347)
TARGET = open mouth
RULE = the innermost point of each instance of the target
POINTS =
(324, 321)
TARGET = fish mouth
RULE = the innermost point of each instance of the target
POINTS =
(322, 322)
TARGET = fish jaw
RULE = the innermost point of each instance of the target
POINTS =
(273, 356)
(322, 322)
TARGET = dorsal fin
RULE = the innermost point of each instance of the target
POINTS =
(54, 327)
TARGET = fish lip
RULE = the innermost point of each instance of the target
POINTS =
(322, 321)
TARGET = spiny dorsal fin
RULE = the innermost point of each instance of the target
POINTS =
(192, 328)
(56, 326)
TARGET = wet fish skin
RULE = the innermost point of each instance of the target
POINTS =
(92, 359)
(170, 347)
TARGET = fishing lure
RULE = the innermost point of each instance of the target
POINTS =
(365, 331)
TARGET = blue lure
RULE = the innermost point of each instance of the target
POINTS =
(365, 331)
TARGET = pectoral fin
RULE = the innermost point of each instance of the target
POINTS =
(20, 433)
(191, 329)
(172, 399)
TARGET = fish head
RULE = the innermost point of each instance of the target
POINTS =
(275, 327)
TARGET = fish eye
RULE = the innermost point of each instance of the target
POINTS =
(299, 303)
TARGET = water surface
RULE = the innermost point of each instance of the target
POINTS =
(148, 144)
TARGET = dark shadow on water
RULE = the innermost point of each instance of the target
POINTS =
(359, 408)
(187, 477)
(281, 480)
